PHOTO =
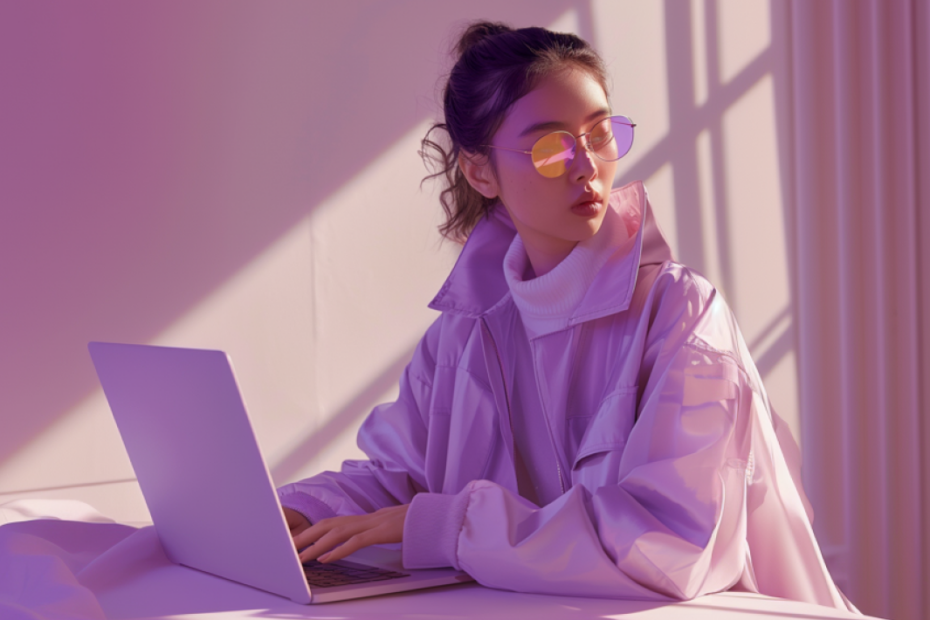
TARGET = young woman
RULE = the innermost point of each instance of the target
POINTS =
(584, 417)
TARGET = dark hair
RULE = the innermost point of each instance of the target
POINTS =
(495, 66)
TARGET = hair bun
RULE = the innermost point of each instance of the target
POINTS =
(495, 65)
(477, 32)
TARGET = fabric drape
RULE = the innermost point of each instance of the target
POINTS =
(860, 84)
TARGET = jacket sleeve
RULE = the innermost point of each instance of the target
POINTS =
(667, 520)
(394, 437)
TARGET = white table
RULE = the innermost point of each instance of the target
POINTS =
(209, 598)
(95, 571)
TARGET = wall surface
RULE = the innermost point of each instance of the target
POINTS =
(244, 176)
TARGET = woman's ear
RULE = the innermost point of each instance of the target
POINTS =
(478, 172)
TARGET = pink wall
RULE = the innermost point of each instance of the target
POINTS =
(149, 150)
(152, 153)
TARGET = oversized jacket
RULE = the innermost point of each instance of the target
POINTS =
(679, 479)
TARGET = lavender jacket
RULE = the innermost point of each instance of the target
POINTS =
(678, 477)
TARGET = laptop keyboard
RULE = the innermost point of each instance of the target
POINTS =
(343, 573)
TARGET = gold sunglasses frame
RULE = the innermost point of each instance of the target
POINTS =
(586, 144)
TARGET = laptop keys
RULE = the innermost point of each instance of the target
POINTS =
(345, 573)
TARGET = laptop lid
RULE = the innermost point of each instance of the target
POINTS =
(212, 500)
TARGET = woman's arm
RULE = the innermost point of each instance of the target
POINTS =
(699, 499)
(660, 517)
(670, 525)
(395, 433)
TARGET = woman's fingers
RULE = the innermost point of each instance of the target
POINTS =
(352, 533)
(323, 536)
(317, 531)
(363, 539)
(328, 540)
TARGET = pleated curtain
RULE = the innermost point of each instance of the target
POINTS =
(860, 110)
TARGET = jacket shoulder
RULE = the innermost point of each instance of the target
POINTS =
(683, 297)
(675, 280)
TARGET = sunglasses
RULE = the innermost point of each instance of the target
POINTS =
(553, 154)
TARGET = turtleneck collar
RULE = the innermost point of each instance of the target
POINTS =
(548, 302)
(478, 285)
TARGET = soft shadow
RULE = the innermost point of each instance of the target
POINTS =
(342, 419)
(139, 176)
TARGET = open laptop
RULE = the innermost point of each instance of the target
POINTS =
(212, 501)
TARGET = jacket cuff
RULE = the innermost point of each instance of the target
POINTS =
(431, 529)
(307, 505)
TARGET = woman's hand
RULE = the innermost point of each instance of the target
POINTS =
(296, 522)
(351, 533)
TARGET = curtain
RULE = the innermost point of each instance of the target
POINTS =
(861, 150)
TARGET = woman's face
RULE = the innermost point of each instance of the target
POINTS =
(552, 215)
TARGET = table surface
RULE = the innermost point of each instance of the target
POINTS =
(62, 565)
(180, 593)
(164, 590)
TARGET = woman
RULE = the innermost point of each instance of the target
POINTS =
(584, 417)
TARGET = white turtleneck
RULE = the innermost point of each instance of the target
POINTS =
(546, 305)
(548, 302)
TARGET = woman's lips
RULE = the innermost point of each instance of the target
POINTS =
(589, 208)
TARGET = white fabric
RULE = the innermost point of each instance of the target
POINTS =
(548, 302)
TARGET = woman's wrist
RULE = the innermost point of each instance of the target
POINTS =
(431, 529)
(313, 509)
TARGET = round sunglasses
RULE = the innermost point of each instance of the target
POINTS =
(552, 154)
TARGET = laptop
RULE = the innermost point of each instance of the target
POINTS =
(212, 500)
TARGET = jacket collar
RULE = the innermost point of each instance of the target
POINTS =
(476, 286)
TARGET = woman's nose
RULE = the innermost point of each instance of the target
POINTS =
(583, 168)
